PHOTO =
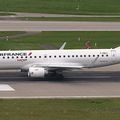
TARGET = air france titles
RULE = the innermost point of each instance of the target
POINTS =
(18, 55)
(13, 54)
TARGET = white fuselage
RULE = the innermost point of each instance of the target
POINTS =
(84, 58)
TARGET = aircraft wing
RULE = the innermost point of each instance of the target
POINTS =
(59, 66)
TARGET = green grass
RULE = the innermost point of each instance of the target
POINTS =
(43, 40)
(12, 33)
(6, 14)
(115, 19)
(60, 109)
(62, 6)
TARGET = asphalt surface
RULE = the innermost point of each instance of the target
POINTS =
(80, 84)
(58, 26)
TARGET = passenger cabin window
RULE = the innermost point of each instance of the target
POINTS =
(106, 55)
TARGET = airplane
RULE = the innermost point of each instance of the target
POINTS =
(39, 63)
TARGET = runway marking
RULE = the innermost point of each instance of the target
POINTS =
(5, 87)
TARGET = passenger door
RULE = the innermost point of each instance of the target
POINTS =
(113, 55)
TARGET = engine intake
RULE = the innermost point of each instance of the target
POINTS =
(37, 72)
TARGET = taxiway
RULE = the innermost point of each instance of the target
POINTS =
(58, 26)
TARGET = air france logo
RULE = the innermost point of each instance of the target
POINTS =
(30, 53)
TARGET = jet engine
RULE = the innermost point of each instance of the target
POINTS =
(37, 72)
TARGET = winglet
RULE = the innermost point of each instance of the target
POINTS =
(63, 46)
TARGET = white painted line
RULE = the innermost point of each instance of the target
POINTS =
(5, 87)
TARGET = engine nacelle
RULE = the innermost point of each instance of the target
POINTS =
(37, 72)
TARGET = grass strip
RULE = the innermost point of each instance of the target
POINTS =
(62, 6)
(60, 109)
(52, 40)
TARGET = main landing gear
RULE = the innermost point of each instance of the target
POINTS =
(56, 75)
